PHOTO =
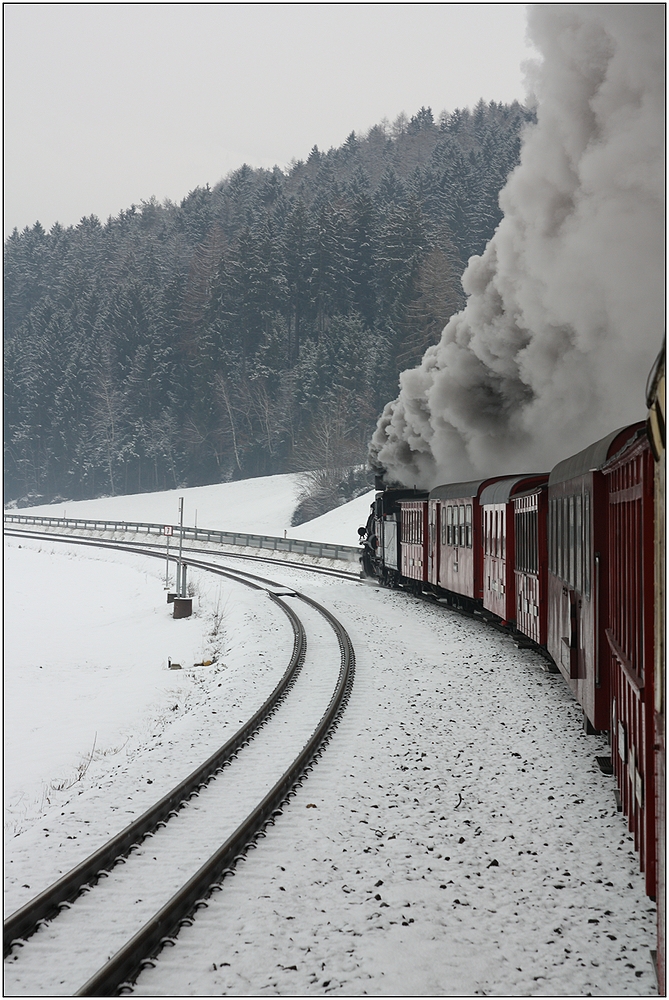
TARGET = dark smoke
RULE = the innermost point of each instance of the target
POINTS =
(565, 309)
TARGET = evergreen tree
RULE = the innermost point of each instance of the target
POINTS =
(256, 326)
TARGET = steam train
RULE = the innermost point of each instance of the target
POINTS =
(571, 562)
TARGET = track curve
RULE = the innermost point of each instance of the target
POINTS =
(126, 963)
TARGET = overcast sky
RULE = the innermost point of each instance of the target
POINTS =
(108, 104)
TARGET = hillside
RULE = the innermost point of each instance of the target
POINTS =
(257, 327)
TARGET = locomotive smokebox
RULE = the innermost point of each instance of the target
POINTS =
(183, 607)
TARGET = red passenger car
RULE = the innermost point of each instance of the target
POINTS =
(656, 427)
(578, 571)
(629, 651)
(455, 523)
(530, 516)
(499, 543)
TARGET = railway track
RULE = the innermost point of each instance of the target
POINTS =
(189, 548)
(113, 913)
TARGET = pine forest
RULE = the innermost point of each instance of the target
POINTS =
(257, 327)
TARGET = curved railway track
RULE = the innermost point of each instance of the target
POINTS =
(158, 548)
(228, 801)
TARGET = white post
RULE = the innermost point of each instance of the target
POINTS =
(180, 588)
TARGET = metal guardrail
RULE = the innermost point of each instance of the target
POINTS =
(321, 550)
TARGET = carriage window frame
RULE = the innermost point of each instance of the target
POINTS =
(571, 508)
(578, 549)
(502, 532)
(562, 545)
(587, 545)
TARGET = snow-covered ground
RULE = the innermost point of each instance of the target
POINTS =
(456, 838)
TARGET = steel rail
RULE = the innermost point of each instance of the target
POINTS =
(323, 550)
(23, 922)
(305, 567)
(124, 967)
(128, 961)
(263, 582)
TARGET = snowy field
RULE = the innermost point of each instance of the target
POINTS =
(261, 506)
(463, 840)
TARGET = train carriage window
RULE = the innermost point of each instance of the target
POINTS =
(443, 525)
(559, 547)
(571, 578)
(525, 542)
(468, 526)
(565, 539)
(560, 524)
(449, 537)
(502, 533)
(578, 575)
(555, 537)
(586, 544)
(551, 558)
(562, 540)
(559, 510)
(461, 532)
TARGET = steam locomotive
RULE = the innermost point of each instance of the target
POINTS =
(572, 562)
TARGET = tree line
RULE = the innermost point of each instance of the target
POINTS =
(256, 327)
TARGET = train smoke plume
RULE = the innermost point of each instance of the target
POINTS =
(565, 308)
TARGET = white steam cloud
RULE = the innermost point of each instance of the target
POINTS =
(565, 309)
